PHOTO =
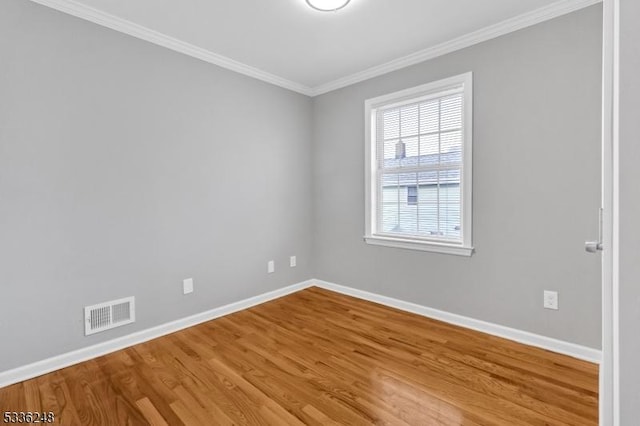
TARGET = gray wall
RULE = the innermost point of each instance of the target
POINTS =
(629, 212)
(125, 168)
(537, 106)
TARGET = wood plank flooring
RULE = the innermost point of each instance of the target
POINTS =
(318, 358)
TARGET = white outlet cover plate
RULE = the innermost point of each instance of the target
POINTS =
(187, 286)
(292, 261)
(271, 267)
(551, 300)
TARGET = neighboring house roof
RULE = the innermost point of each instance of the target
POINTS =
(450, 176)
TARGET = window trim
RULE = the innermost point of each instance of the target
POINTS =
(465, 247)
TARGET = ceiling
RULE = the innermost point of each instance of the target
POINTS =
(288, 43)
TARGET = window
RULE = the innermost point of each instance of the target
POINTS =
(418, 186)
(412, 195)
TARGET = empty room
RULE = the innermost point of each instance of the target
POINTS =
(319, 212)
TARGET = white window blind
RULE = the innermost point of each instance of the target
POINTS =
(418, 146)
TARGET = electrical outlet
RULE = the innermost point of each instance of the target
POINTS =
(551, 300)
(271, 267)
(187, 286)
(292, 261)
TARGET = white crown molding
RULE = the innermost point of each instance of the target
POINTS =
(130, 28)
(525, 337)
(99, 17)
(48, 365)
(519, 22)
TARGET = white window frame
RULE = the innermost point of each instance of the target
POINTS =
(425, 91)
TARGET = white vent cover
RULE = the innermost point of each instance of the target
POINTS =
(108, 315)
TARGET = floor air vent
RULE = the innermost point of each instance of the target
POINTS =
(108, 315)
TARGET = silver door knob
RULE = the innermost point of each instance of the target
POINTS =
(593, 246)
(596, 246)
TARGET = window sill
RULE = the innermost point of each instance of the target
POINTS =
(430, 246)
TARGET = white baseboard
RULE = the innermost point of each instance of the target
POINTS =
(39, 368)
(555, 345)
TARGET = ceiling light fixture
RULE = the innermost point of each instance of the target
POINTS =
(328, 5)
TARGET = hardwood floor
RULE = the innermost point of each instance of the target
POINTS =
(320, 358)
